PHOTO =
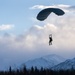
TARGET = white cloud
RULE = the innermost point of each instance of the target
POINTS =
(37, 7)
(53, 6)
(6, 27)
(62, 28)
(66, 8)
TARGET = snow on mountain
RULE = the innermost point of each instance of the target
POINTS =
(45, 61)
(67, 65)
(55, 59)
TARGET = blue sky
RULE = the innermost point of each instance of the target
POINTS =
(27, 38)
(17, 12)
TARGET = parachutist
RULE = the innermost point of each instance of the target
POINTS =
(50, 39)
(43, 14)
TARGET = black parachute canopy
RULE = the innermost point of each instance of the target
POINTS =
(42, 15)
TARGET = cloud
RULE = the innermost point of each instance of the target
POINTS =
(6, 27)
(38, 7)
(66, 8)
(53, 6)
(62, 28)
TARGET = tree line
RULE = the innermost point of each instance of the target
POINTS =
(35, 71)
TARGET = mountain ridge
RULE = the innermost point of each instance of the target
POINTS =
(47, 61)
(66, 65)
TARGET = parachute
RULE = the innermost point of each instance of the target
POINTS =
(42, 15)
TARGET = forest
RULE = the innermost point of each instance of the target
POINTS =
(35, 71)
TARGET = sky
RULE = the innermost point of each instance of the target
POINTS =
(23, 37)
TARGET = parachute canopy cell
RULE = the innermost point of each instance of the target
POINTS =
(42, 15)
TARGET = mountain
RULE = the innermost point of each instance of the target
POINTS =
(45, 61)
(67, 65)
